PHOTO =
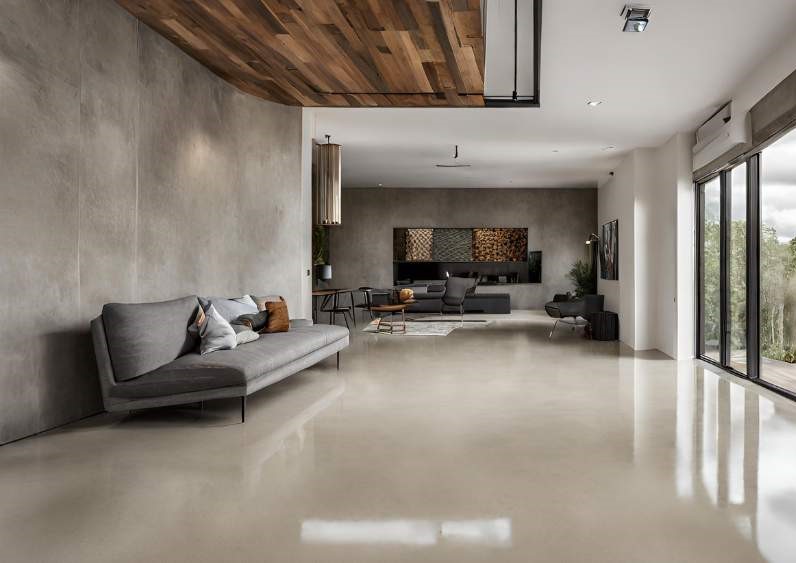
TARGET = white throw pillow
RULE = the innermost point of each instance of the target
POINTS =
(246, 336)
(216, 333)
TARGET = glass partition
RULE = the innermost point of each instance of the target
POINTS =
(736, 269)
(710, 316)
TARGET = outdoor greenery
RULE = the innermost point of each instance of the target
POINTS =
(320, 244)
(583, 279)
(777, 291)
(777, 297)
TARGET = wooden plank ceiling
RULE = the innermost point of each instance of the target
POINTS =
(332, 52)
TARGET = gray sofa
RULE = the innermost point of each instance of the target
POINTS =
(429, 300)
(147, 358)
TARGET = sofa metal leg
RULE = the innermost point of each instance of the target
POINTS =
(554, 329)
(338, 361)
(242, 409)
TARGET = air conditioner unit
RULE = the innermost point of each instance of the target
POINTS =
(720, 134)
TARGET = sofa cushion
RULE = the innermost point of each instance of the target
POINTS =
(144, 336)
(254, 321)
(278, 317)
(246, 336)
(190, 375)
(216, 333)
(230, 309)
(261, 300)
(269, 352)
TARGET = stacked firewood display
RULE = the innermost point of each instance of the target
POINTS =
(500, 245)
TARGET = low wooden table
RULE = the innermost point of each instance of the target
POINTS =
(382, 310)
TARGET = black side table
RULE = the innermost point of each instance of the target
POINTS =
(604, 325)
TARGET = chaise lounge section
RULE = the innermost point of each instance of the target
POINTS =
(147, 358)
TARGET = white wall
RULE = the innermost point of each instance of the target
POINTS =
(685, 250)
(648, 194)
(615, 200)
(308, 121)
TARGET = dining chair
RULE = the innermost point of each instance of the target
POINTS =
(337, 308)
(367, 303)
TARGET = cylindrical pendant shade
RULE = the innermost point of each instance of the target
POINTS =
(328, 174)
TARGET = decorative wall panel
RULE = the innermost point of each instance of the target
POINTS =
(500, 245)
(419, 244)
(453, 245)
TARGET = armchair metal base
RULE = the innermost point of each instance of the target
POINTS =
(461, 311)
(573, 323)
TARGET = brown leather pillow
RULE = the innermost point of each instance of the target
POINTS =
(278, 318)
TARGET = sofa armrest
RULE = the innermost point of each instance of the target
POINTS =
(103, 357)
(300, 322)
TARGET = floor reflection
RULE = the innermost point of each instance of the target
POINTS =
(491, 533)
(736, 448)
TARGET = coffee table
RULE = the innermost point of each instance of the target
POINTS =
(389, 310)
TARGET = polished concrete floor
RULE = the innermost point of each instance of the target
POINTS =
(491, 444)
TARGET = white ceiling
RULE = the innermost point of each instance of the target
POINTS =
(668, 79)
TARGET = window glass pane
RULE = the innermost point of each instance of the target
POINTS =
(711, 298)
(737, 269)
(778, 263)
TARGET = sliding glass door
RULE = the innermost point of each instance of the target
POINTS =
(736, 194)
(709, 261)
(747, 267)
(778, 263)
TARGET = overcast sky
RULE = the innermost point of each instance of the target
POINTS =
(778, 182)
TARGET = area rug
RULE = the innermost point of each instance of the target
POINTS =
(419, 328)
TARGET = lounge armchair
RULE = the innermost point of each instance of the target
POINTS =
(562, 307)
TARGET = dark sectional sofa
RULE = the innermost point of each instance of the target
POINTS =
(429, 300)
(147, 358)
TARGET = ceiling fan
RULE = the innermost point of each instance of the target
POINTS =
(455, 164)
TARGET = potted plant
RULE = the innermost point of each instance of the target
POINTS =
(582, 278)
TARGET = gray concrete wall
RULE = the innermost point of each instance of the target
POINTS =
(129, 173)
(558, 220)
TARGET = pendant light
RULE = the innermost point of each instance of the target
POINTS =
(328, 174)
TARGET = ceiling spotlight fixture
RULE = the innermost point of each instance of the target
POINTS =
(455, 164)
(593, 103)
(609, 148)
(636, 18)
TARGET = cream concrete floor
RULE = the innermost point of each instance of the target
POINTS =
(491, 444)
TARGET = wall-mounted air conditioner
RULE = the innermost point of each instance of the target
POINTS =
(720, 134)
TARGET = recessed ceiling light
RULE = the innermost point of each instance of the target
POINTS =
(555, 150)
(593, 103)
(609, 148)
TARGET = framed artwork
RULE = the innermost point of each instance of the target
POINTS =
(535, 266)
(609, 251)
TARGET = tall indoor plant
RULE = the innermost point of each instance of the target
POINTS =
(582, 277)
